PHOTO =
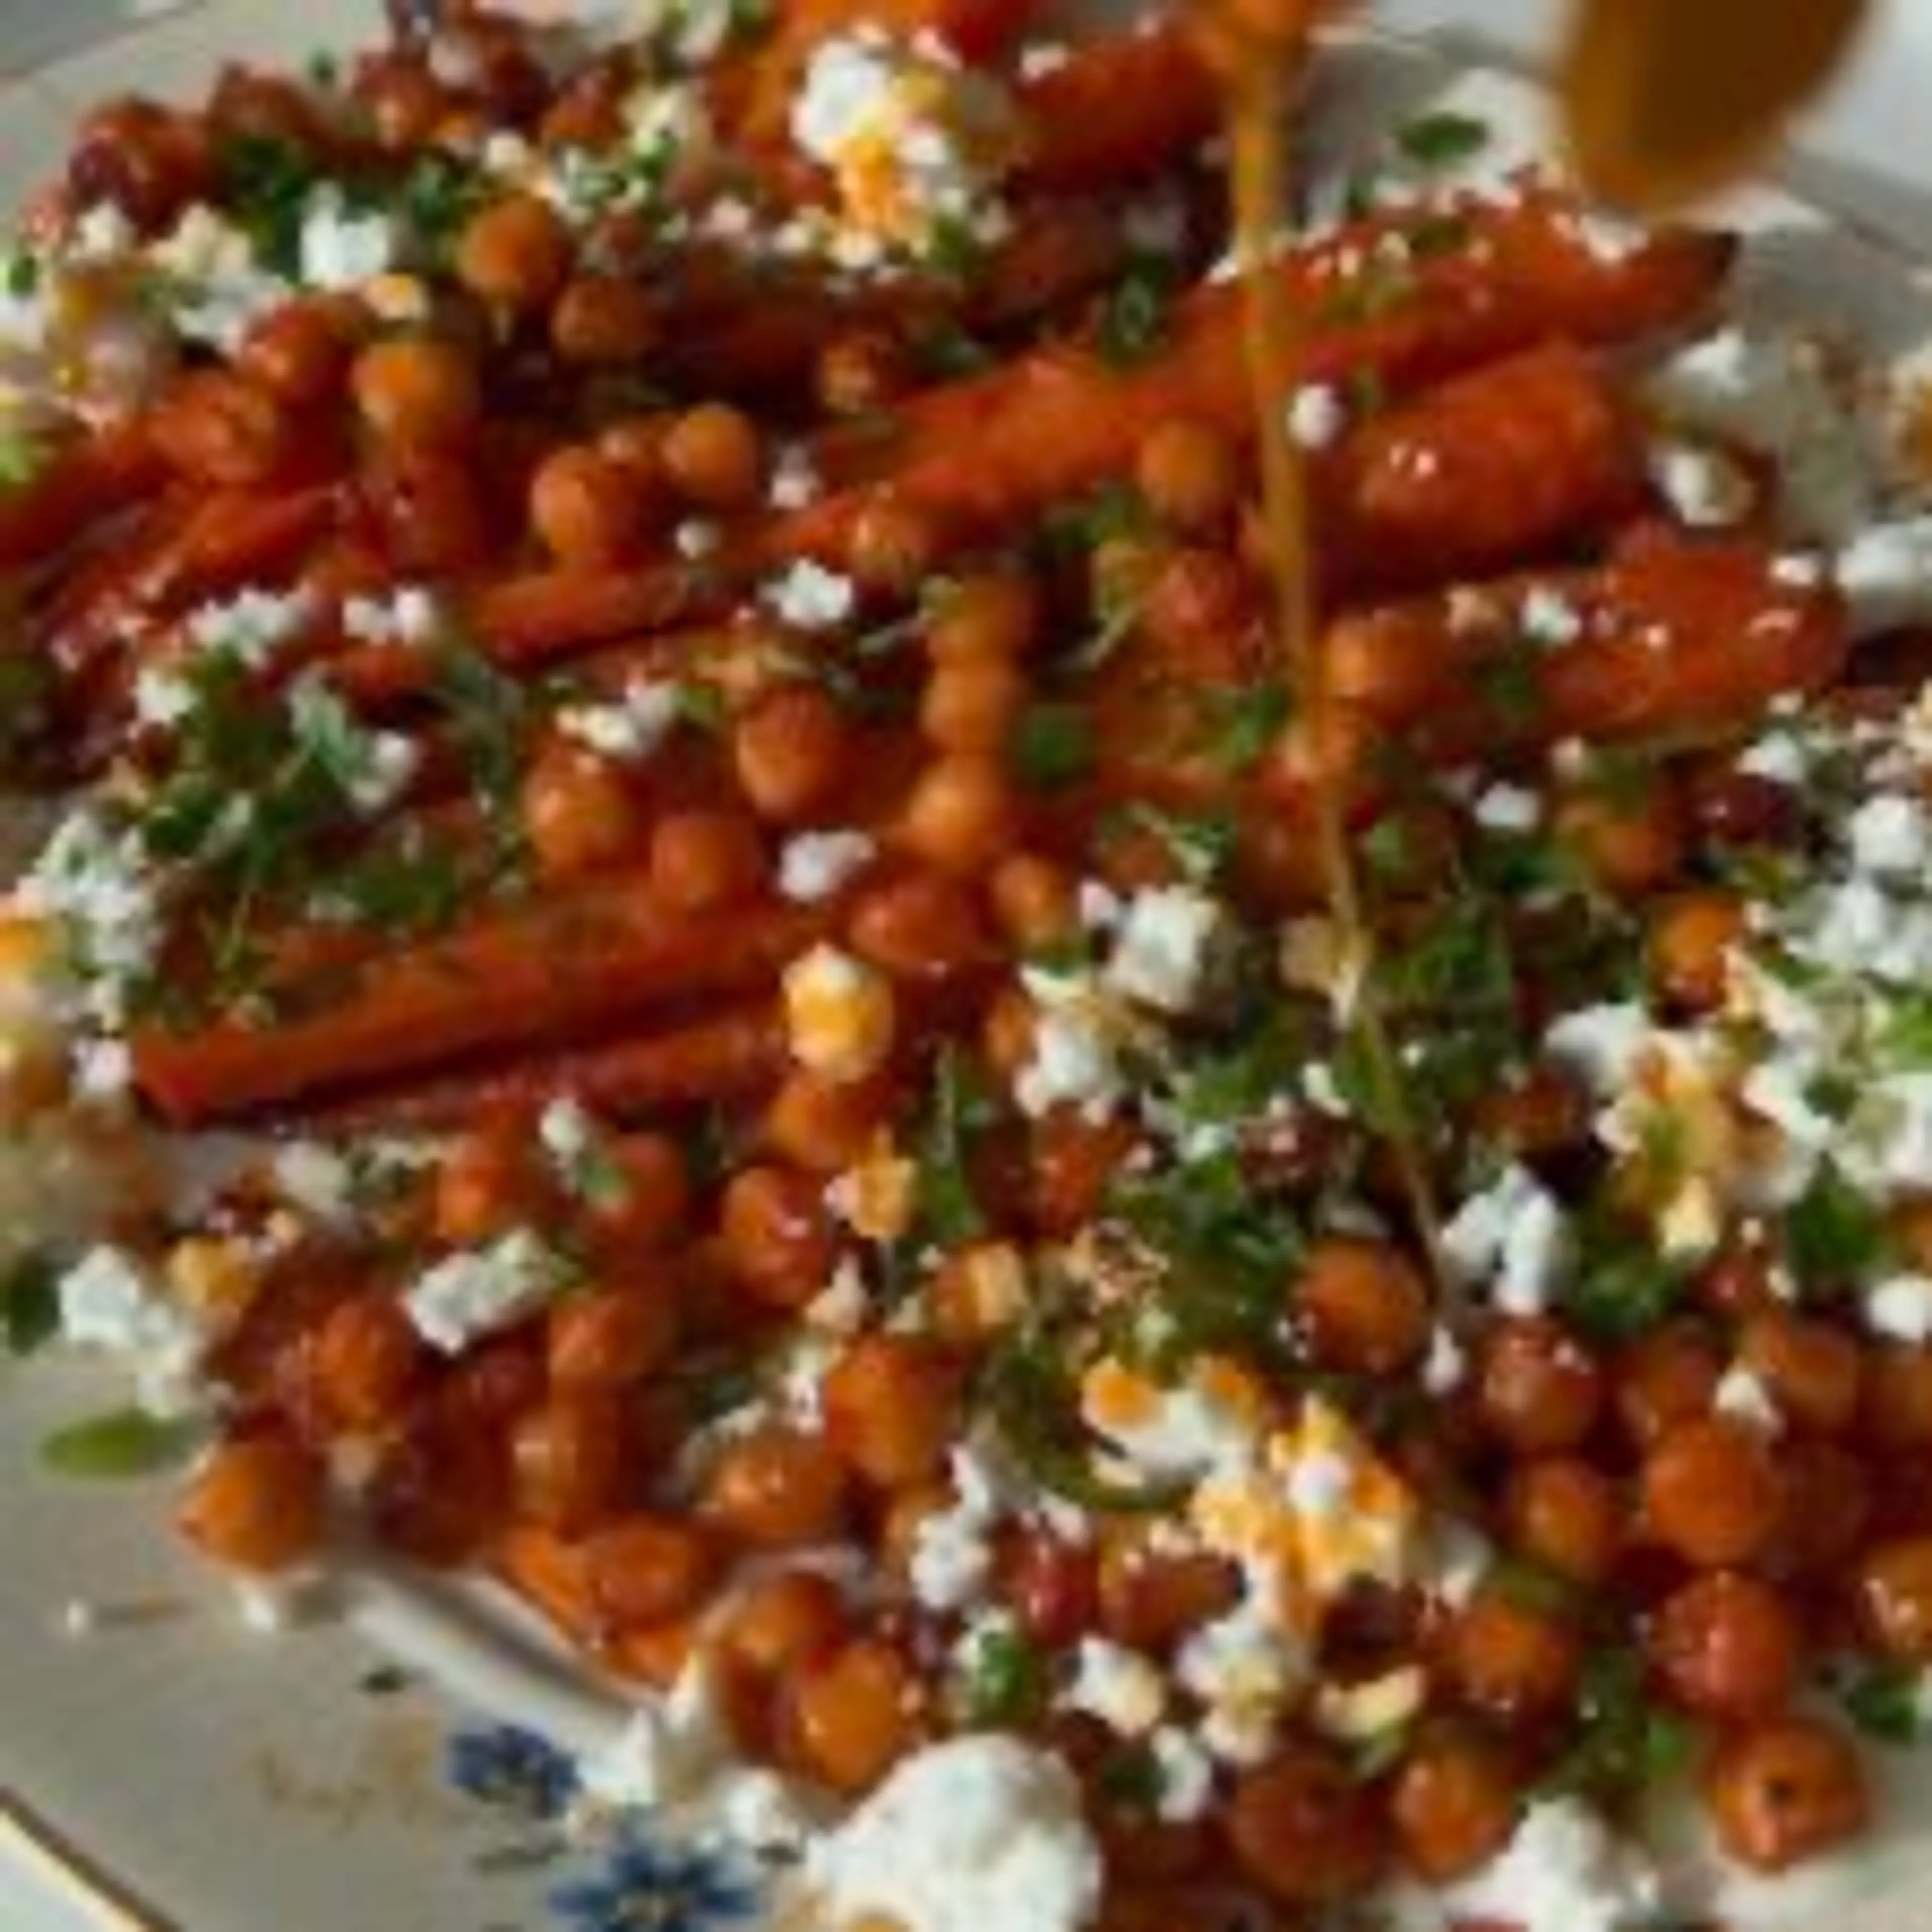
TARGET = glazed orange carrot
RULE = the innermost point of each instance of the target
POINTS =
(593, 957)
(1684, 640)
(1481, 473)
(85, 484)
(1117, 107)
(554, 1575)
(724, 1056)
(982, 455)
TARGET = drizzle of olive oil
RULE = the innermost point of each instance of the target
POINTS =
(1259, 51)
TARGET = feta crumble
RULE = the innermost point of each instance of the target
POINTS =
(470, 1295)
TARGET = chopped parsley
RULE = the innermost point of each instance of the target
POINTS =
(949, 1213)
(265, 181)
(1004, 1684)
(123, 1444)
(1886, 1702)
(30, 1312)
(1244, 724)
(1834, 1236)
(1442, 139)
(1626, 1742)
(1053, 746)
(1622, 1286)
(1137, 314)
(1202, 843)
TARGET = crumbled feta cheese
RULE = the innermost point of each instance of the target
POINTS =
(1316, 417)
(1742, 1395)
(1246, 1671)
(341, 250)
(977, 1833)
(953, 1552)
(1706, 489)
(1885, 574)
(95, 882)
(1124, 1690)
(1600, 1045)
(1186, 1775)
(696, 537)
(1565, 1870)
(218, 289)
(479, 1292)
(1512, 1238)
(1446, 1366)
(410, 615)
(250, 627)
(1163, 948)
(818, 865)
(315, 1180)
(103, 1071)
(1077, 1043)
(1891, 836)
(1901, 1309)
(629, 727)
(811, 597)
(108, 1302)
(839, 1013)
(1507, 807)
(795, 483)
(1040, 58)
(1213, 1419)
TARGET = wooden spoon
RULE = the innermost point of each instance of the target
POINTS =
(1668, 101)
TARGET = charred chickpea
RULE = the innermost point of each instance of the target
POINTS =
(604, 322)
(781, 1622)
(974, 706)
(924, 926)
(792, 750)
(1304, 1830)
(988, 614)
(579, 812)
(1783, 1792)
(777, 1235)
(777, 1489)
(1454, 1805)
(215, 427)
(257, 1503)
(1151, 1599)
(860, 373)
(587, 510)
(1035, 901)
(1812, 1370)
(822, 1125)
(416, 392)
(1009, 1034)
(1567, 1515)
(1364, 1306)
(1691, 937)
(1537, 1389)
(1738, 1281)
(1710, 1492)
(1897, 1409)
(148, 161)
(1727, 1648)
(434, 516)
(1511, 1661)
(1743, 808)
(1827, 1496)
(302, 352)
(404, 100)
(852, 1714)
(1895, 1597)
(515, 253)
(1075, 1160)
(368, 1361)
(1052, 1586)
(890, 1404)
(1190, 475)
(639, 1198)
(963, 814)
(488, 1182)
(703, 859)
(1540, 1113)
(570, 1457)
(611, 1337)
(715, 457)
(646, 1570)
(892, 548)
(1670, 1376)
(1631, 845)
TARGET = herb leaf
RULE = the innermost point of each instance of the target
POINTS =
(1053, 746)
(1442, 139)
(30, 1313)
(123, 1444)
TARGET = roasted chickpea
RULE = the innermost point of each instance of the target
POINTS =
(989, 614)
(782, 1621)
(571, 1458)
(434, 517)
(604, 322)
(515, 253)
(1075, 1160)
(1364, 1306)
(646, 1570)
(1305, 1831)
(1566, 1515)
(1052, 1587)
(860, 373)
(1813, 1372)
(148, 161)
(1151, 1599)
(587, 510)
(1691, 937)
(1827, 1504)
(214, 428)
(1895, 1593)
(891, 1405)
(714, 457)
(258, 1502)
(1542, 1113)
(702, 860)
(1727, 1648)
(1897, 1410)
(922, 927)
(1743, 808)
(301, 351)
(579, 813)
(963, 814)
(1537, 1389)
(1737, 1282)
(1710, 1493)
(641, 1195)
(417, 392)
(791, 751)
(611, 1337)
(1669, 1377)
(1786, 1792)
(777, 1235)
(1190, 475)
(777, 1489)
(892, 549)
(1034, 900)
(1511, 1661)
(488, 1183)
(851, 1715)
(1454, 1805)
(1630, 846)
(824, 1126)
(368, 1361)
(973, 706)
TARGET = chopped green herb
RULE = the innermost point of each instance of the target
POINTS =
(491, 718)
(1113, 510)
(438, 195)
(1509, 685)
(1203, 843)
(1834, 1236)
(1904, 1042)
(404, 886)
(1135, 316)
(1005, 1683)
(30, 1312)
(1366, 391)
(1131, 1780)
(265, 184)
(1622, 1286)
(702, 706)
(1527, 1585)
(1626, 1744)
(955, 250)
(1053, 746)
(123, 1444)
(1887, 1702)
(324, 70)
(21, 275)
(1442, 139)
(22, 458)
(1438, 235)
(949, 1212)
(1244, 724)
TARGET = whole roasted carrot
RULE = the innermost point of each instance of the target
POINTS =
(723, 1056)
(582, 961)
(1675, 640)
(85, 483)
(1481, 474)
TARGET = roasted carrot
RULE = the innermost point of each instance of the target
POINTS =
(85, 484)
(553, 1574)
(1116, 108)
(591, 957)
(981, 456)
(724, 1056)
(1482, 473)
(1681, 640)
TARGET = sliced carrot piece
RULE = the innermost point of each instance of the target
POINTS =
(85, 484)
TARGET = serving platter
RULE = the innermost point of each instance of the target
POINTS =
(379, 1749)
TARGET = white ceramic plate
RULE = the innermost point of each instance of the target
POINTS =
(175, 1768)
